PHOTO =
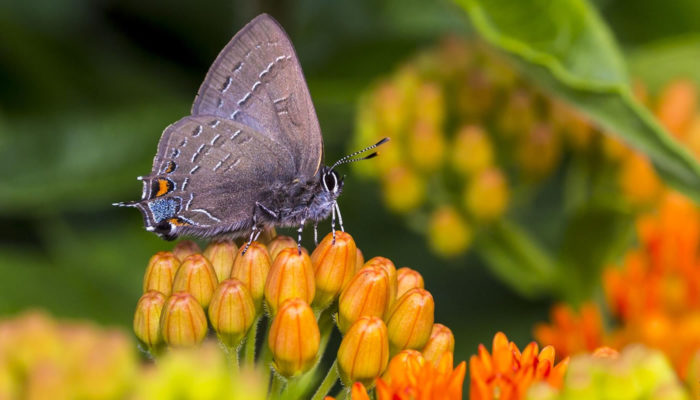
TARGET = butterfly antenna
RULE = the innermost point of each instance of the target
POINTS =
(349, 158)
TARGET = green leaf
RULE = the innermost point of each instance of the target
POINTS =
(566, 48)
(655, 63)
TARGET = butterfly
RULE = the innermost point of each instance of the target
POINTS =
(249, 156)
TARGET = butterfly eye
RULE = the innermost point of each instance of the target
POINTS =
(330, 181)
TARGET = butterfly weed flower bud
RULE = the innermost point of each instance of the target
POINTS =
(472, 150)
(221, 254)
(638, 181)
(403, 366)
(388, 266)
(407, 279)
(252, 269)
(160, 272)
(388, 106)
(364, 351)
(441, 341)
(367, 294)
(280, 243)
(147, 318)
(183, 322)
(411, 320)
(426, 146)
(486, 196)
(231, 312)
(518, 116)
(539, 151)
(334, 265)
(291, 276)
(448, 232)
(294, 338)
(359, 260)
(677, 105)
(185, 248)
(197, 277)
(403, 189)
(429, 104)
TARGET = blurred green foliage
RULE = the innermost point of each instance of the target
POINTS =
(87, 87)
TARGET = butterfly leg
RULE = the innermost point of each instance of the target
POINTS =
(340, 217)
(255, 230)
(301, 228)
(333, 223)
(316, 233)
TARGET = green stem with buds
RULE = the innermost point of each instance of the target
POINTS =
(328, 382)
(250, 341)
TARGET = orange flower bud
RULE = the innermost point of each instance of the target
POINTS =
(539, 151)
(411, 320)
(252, 269)
(221, 255)
(197, 277)
(403, 366)
(407, 279)
(182, 322)
(677, 105)
(441, 341)
(294, 338)
(280, 243)
(486, 196)
(472, 151)
(638, 180)
(231, 311)
(448, 232)
(403, 189)
(364, 352)
(360, 260)
(291, 276)
(334, 265)
(147, 318)
(160, 272)
(367, 294)
(185, 248)
(388, 266)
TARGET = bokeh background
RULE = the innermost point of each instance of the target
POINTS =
(86, 88)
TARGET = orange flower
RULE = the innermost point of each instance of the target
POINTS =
(417, 380)
(507, 373)
(571, 332)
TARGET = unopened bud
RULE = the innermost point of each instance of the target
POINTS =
(185, 248)
(367, 294)
(221, 255)
(448, 232)
(403, 367)
(334, 265)
(183, 322)
(280, 243)
(388, 266)
(364, 351)
(486, 196)
(407, 279)
(197, 277)
(411, 320)
(147, 318)
(160, 272)
(426, 145)
(441, 341)
(403, 189)
(360, 260)
(252, 269)
(472, 151)
(231, 311)
(294, 338)
(291, 276)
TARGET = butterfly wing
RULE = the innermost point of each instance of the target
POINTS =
(257, 80)
(207, 175)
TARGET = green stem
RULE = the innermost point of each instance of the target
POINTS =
(344, 392)
(276, 387)
(328, 382)
(266, 355)
(250, 341)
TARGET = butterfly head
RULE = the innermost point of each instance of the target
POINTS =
(331, 182)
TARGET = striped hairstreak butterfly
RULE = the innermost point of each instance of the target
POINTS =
(250, 155)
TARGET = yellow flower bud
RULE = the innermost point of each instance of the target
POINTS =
(294, 338)
(441, 341)
(182, 322)
(486, 196)
(291, 276)
(639, 183)
(448, 232)
(231, 311)
(147, 318)
(185, 248)
(518, 116)
(426, 146)
(472, 151)
(197, 277)
(160, 272)
(364, 351)
(403, 189)
(367, 294)
(430, 104)
(252, 269)
(539, 151)
(280, 243)
(388, 266)
(411, 320)
(334, 265)
(221, 254)
(408, 279)
(388, 106)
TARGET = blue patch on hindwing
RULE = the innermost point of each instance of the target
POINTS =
(163, 209)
